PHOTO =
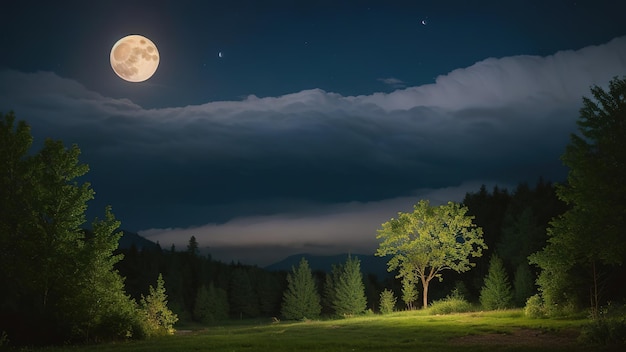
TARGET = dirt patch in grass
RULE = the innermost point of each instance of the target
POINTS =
(521, 337)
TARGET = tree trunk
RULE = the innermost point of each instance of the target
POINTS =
(425, 294)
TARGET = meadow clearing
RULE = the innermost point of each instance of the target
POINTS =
(507, 330)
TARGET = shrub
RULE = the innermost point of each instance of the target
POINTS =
(604, 331)
(387, 302)
(453, 303)
(608, 328)
(534, 307)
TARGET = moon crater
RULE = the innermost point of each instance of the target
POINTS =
(134, 58)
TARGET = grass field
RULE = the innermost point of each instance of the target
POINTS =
(404, 331)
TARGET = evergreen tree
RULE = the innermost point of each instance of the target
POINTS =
(523, 285)
(496, 292)
(269, 292)
(349, 297)
(243, 298)
(159, 319)
(330, 291)
(202, 310)
(301, 299)
(219, 303)
(387, 301)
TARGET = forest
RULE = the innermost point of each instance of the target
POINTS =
(513, 223)
(555, 249)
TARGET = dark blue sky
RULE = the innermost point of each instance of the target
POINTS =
(320, 121)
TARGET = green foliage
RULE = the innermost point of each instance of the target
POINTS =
(604, 332)
(523, 285)
(349, 291)
(301, 299)
(398, 332)
(496, 292)
(587, 241)
(158, 318)
(59, 280)
(453, 303)
(430, 240)
(409, 291)
(243, 298)
(387, 301)
(535, 307)
(211, 305)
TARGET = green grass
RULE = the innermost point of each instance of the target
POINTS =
(402, 331)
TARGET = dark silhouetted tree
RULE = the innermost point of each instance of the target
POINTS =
(523, 285)
(58, 280)
(243, 298)
(587, 244)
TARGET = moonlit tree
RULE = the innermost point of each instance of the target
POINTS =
(429, 241)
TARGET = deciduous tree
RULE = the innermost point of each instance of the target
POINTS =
(587, 243)
(429, 241)
(59, 282)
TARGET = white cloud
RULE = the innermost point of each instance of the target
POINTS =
(501, 119)
(393, 82)
(338, 228)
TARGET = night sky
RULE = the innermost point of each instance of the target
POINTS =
(320, 120)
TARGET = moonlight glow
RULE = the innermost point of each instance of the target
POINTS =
(134, 58)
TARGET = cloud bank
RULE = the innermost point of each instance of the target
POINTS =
(303, 168)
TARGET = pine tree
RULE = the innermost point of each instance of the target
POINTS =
(243, 298)
(349, 297)
(202, 310)
(159, 318)
(211, 305)
(523, 285)
(301, 299)
(387, 301)
(496, 292)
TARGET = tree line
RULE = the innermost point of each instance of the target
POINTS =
(560, 247)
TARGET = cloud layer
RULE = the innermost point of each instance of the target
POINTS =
(329, 159)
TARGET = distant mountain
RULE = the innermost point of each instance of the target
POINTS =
(370, 264)
(129, 239)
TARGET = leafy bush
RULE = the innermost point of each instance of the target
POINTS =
(604, 331)
(534, 307)
(608, 328)
(387, 302)
(453, 303)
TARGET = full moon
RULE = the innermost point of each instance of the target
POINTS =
(134, 58)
